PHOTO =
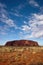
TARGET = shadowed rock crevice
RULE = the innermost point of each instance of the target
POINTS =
(22, 43)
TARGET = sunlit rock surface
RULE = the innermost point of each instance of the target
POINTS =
(22, 43)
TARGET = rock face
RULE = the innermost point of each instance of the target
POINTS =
(22, 43)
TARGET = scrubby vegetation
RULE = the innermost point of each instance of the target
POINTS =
(21, 55)
(38, 63)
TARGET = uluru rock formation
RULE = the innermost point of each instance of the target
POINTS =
(22, 43)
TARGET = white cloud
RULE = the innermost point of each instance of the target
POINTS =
(25, 22)
(34, 3)
(25, 28)
(4, 29)
(7, 20)
(20, 6)
(3, 33)
(36, 24)
(40, 16)
(18, 15)
(2, 5)
(38, 34)
(34, 29)
(41, 9)
(4, 17)
(16, 10)
(10, 22)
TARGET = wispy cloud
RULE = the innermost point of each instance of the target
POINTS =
(25, 28)
(32, 29)
(36, 24)
(33, 3)
(25, 22)
(41, 9)
(4, 17)
(35, 27)
(16, 14)
(4, 29)
(36, 4)
(20, 6)
(6, 20)
(16, 11)
(3, 33)
(2, 5)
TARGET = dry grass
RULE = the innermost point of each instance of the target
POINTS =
(21, 55)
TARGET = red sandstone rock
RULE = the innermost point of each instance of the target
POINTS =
(22, 43)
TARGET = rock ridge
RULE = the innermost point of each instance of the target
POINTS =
(22, 43)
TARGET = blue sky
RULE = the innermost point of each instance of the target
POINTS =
(21, 19)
